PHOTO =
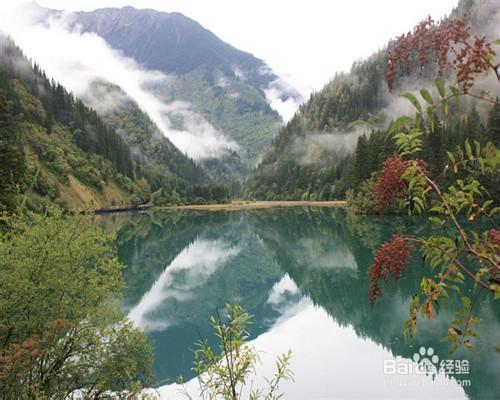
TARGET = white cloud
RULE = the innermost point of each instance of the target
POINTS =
(283, 96)
(327, 362)
(318, 148)
(308, 40)
(190, 269)
(77, 59)
(280, 101)
(318, 253)
(285, 286)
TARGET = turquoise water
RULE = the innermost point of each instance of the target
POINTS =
(303, 275)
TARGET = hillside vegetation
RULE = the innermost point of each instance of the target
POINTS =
(338, 139)
(54, 148)
(223, 84)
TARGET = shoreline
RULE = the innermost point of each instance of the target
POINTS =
(255, 205)
(233, 206)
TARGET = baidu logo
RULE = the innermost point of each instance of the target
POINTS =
(428, 362)
(424, 363)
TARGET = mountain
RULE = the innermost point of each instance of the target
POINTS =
(300, 242)
(338, 138)
(54, 148)
(145, 140)
(225, 85)
(172, 43)
(231, 90)
(306, 159)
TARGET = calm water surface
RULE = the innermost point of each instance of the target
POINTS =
(303, 275)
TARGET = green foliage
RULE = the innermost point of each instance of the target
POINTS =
(231, 105)
(358, 96)
(462, 331)
(413, 100)
(440, 85)
(363, 201)
(345, 102)
(408, 143)
(60, 330)
(11, 155)
(161, 162)
(47, 138)
(455, 195)
(224, 374)
(399, 123)
(435, 147)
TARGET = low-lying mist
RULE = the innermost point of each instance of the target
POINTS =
(77, 59)
(320, 148)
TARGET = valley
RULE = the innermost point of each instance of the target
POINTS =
(181, 217)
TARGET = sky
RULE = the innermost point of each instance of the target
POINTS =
(304, 41)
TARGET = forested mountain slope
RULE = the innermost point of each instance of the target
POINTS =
(147, 144)
(54, 148)
(224, 84)
(338, 138)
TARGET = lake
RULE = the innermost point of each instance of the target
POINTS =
(302, 273)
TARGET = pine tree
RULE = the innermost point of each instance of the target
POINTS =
(11, 154)
(494, 124)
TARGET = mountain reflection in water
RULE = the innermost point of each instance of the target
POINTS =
(303, 275)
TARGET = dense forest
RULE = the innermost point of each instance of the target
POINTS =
(57, 149)
(347, 102)
(332, 177)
